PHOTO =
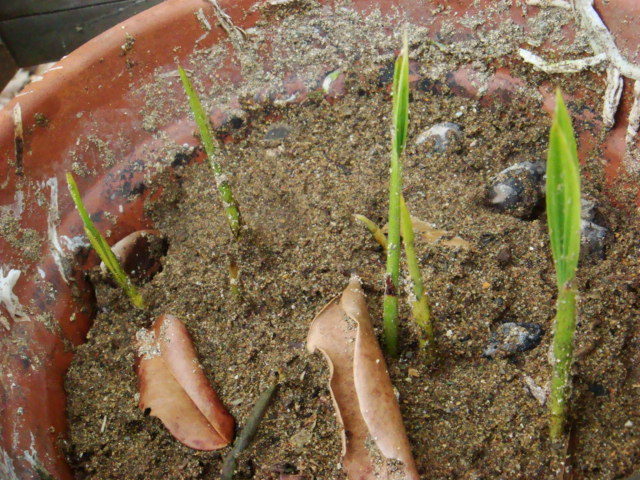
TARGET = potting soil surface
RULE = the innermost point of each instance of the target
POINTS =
(299, 173)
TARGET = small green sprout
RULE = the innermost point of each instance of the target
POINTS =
(230, 206)
(248, 432)
(420, 307)
(563, 218)
(375, 230)
(102, 247)
(399, 132)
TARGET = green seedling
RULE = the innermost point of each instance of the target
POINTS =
(420, 307)
(248, 432)
(563, 217)
(375, 230)
(103, 249)
(399, 132)
(202, 121)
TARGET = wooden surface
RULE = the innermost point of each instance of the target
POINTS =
(7, 65)
(38, 31)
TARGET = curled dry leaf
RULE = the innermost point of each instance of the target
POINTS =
(175, 389)
(139, 253)
(374, 441)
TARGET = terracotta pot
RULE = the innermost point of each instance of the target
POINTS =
(92, 92)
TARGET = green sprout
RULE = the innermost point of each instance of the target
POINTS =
(563, 217)
(229, 203)
(420, 307)
(375, 230)
(399, 131)
(103, 249)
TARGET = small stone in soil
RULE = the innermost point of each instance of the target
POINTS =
(511, 337)
(441, 137)
(592, 240)
(278, 132)
(517, 190)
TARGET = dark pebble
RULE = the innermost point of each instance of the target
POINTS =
(511, 337)
(517, 190)
(598, 390)
(592, 241)
(504, 257)
(593, 237)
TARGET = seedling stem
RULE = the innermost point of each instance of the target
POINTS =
(420, 307)
(563, 217)
(399, 132)
(230, 206)
(103, 249)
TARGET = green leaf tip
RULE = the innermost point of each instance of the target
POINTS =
(400, 91)
(563, 194)
(102, 248)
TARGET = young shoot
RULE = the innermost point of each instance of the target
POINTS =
(563, 218)
(399, 132)
(420, 307)
(103, 249)
(375, 230)
(230, 206)
(248, 432)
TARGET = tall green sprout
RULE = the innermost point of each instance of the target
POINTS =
(102, 247)
(399, 132)
(230, 206)
(563, 217)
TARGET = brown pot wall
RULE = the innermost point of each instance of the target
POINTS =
(92, 92)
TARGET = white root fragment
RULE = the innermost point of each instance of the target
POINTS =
(601, 39)
(234, 32)
(549, 3)
(603, 44)
(204, 23)
(9, 299)
(566, 66)
(612, 95)
(53, 219)
(631, 161)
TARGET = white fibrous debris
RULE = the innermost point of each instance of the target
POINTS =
(8, 298)
(537, 392)
(75, 243)
(53, 218)
(606, 52)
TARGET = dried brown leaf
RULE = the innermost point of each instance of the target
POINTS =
(139, 254)
(374, 441)
(434, 236)
(174, 388)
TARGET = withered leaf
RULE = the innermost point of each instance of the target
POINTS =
(374, 441)
(434, 236)
(139, 254)
(175, 389)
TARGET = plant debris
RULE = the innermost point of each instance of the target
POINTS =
(174, 388)
(363, 396)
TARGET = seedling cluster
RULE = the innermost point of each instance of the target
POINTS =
(563, 212)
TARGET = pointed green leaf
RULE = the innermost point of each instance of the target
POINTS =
(563, 195)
